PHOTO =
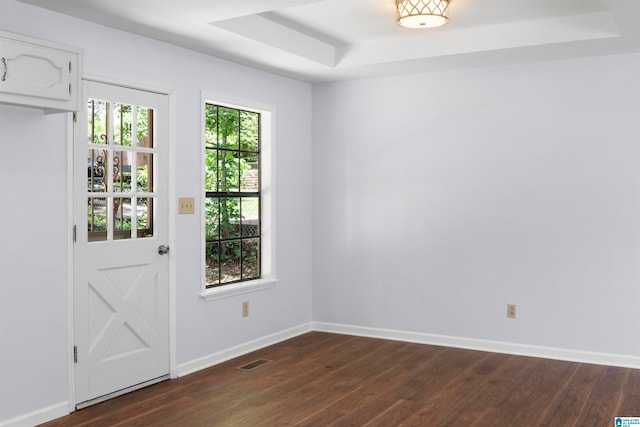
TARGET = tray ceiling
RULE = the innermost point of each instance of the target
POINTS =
(328, 40)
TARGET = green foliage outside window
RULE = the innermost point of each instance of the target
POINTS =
(232, 189)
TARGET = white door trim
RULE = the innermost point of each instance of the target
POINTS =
(170, 93)
(70, 265)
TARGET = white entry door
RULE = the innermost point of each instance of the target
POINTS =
(121, 261)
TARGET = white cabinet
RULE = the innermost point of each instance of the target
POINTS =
(38, 73)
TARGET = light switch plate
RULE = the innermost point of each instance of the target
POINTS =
(186, 205)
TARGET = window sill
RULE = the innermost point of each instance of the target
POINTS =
(237, 289)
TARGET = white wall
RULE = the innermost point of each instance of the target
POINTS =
(33, 261)
(34, 347)
(440, 198)
(437, 200)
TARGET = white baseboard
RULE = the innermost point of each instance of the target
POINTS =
(38, 417)
(62, 409)
(242, 349)
(484, 345)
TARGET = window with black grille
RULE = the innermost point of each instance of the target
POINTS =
(232, 195)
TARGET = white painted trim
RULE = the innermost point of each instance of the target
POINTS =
(203, 195)
(484, 345)
(268, 198)
(38, 417)
(70, 252)
(65, 408)
(170, 93)
(173, 334)
(237, 289)
(131, 84)
(242, 349)
(60, 410)
(42, 42)
(117, 393)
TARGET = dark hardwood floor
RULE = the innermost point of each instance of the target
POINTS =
(321, 379)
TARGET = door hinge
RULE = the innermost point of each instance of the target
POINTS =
(75, 233)
(69, 88)
(69, 67)
(75, 117)
(75, 354)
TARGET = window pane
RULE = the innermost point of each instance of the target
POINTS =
(249, 131)
(97, 218)
(228, 171)
(211, 165)
(145, 219)
(122, 125)
(232, 166)
(212, 212)
(228, 121)
(250, 258)
(102, 161)
(250, 213)
(229, 217)
(212, 271)
(144, 121)
(121, 171)
(210, 125)
(97, 116)
(230, 261)
(250, 178)
(122, 218)
(95, 171)
(144, 176)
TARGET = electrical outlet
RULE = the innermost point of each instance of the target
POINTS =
(186, 205)
(245, 309)
(511, 311)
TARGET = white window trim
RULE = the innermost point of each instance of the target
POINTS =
(267, 210)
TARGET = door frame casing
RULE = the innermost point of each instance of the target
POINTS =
(171, 219)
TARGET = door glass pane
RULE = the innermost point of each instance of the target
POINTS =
(97, 125)
(122, 218)
(121, 171)
(97, 218)
(122, 125)
(95, 170)
(144, 172)
(121, 163)
(144, 207)
(144, 127)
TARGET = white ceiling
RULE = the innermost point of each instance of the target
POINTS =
(328, 40)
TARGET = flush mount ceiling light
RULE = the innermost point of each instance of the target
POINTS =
(422, 13)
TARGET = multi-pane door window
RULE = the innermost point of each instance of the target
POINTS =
(120, 161)
(232, 195)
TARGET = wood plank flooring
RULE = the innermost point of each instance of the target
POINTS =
(321, 379)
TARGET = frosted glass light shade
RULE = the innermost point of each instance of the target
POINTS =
(422, 13)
